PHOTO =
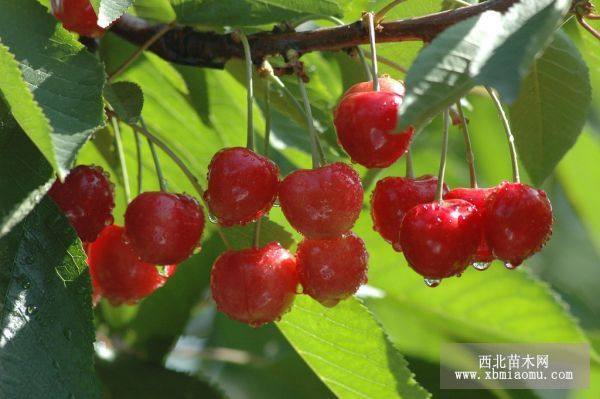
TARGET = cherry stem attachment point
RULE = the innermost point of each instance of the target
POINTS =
(162, 183)
(153, 39)
(442, 172)
(250, 88)
(410, 172)
(381, 13)
(140, 166)
(371, 25)
(122, 161)
(509, 135)
(588, 27)
(468, 147)
(317, 159)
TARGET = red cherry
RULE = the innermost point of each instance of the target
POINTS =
(242, 186)
(77, 16)
(386, 84)
(117, 272)
(87, 199)
(255, 285)
(322, 202)
(332, 269)
(439, 239)
(164, 228)
(393, 197)
(477, 197)
(364, 120)
(518, 222)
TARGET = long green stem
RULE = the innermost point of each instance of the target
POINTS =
(509, 135)
(140, 166)
(381, 13)
(314, 143)
(468, 147)
(442, 172)
(374, 71)
(250, 89)
(410, 172)
(139, 51)
(267, 117)
(122, 161)
(162, 183)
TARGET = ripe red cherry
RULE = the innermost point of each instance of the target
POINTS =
(332, 269)
(87, 199)
(255, 285)
(164, 228)
(242, 186)
(77, 16)
(477, 197)
(117, 272)
(322, 202)
(518, 222)
(439, 239)
(393, 197)
(364, 120)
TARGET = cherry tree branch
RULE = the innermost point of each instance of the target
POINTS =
(187, 46)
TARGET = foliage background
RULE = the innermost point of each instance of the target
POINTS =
(174, 344)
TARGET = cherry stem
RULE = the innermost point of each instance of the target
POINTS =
(381, 13)
(317, 160)
(388, 62)
(588, 27)
(371, 25)
(511, 138)
(468, 147)
(186, 171)
(162, 182)
(140, 166)
(122, 162)
(134, 56)
(250, 89)
(592, 16)
(410, 172)
(267, 117)
(442, 172)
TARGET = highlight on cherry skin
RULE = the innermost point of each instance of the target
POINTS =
(242, 186)
(164, 228)
(117, 272)
(77, 16)
(87, 199)
(364, 119)
(255, 285)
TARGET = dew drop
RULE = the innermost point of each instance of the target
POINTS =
(212, 218)
(32, 309)
(509, 266)
(432, 282)
(481, 265)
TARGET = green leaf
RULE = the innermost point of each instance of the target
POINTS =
(126, 99)
(129, 377)
(250, 12)
(45, 322)
(24, 173)
(490, 49)
(65, 79)
(110, 10)
(348, 350)
(551, 109)
(158, 10)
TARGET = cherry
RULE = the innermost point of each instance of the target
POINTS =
(332, 269)
(164, 228)
(242, 186)
(87, 199)
(364, 120)
(255, 285)
(322, 202)
(386, 84)
(477, 197)
(518, 222)
(117, 272)
(393, 197)
(77, 16)
(439, 239)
